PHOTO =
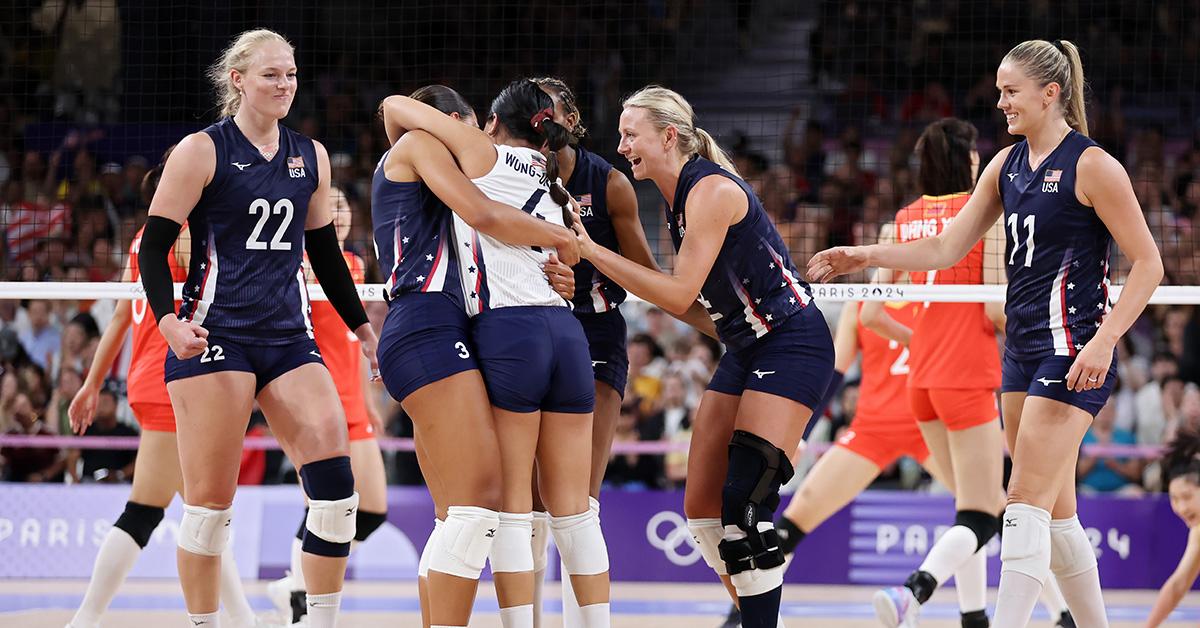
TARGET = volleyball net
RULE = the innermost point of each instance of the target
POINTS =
(820, 104)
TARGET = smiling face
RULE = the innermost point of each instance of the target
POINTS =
(645, 147)
(1185, 499)
(1026, 105)
(268, 85)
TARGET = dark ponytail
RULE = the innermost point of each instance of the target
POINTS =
(444, 99)
(153, 176)
(527, 112)
(1182, 457)
(944, 150)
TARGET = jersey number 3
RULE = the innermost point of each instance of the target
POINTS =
(261, 205)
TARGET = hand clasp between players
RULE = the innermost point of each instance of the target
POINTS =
(841, 260)
(1091, 365)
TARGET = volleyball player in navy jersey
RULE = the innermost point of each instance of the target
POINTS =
(427, 358)
(255, 195)
(609, 211)
(780, 353)
(532, 351)
(1064, 201)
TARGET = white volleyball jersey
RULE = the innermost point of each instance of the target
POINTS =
(496, 274)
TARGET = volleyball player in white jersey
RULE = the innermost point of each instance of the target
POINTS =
(532, 351)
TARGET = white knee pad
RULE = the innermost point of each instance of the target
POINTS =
(1071, 551)
(754, 581)
(1025, 545)
(465, 541)
(333, 521)
(512, 551)
(580, 543)
(540, 539)
(204, 531)
(707, 533)
(427, 551)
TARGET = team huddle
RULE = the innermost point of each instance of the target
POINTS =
(506, 249)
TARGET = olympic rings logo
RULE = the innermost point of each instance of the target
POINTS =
(678, 536)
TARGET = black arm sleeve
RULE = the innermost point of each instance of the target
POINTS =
(329, 266)
(157, 239)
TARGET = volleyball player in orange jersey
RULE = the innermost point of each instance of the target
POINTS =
(156, 477)
(343, 357)
(954, 373)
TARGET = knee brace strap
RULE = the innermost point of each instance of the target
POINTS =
(366, 523)
(204, 531)
(1071, 552)
(756, 471)
(139, 521)
(757, 550)
(580, 543)
(512, 551)
(1026, 545)
(707, 533)
(982, 524)
(464, 541)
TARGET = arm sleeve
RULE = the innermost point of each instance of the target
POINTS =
(157, 239)
(325, 256)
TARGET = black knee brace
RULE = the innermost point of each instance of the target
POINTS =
(329, 480)
(367, 523)
(139, 521)
(984, 525)
(756, 471)
(303, 525)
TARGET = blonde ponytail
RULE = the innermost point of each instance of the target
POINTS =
(1060, 63)
(666, 108)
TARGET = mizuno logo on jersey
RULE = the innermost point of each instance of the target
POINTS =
(296, 167)
(1047, 382)
(1011, 176)
(240, 167)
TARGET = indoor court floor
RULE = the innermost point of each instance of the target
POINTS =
(146, 604)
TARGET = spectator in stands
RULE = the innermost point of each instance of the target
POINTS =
(29, 464)
(69, 382)
(1106, 473)
(638, 471)
(646, 368)
(104, 465)
(42, 338)
(76, 349)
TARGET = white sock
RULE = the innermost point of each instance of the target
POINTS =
(117, 554)
(323, 609)
(595, 615)
(950, 553)
(1025, 552)
(970, 582)
(297, 564)
(233, 596)
(540, 540)
(1074, 565)
(1052, 598)
(205, 620)
(517, 616)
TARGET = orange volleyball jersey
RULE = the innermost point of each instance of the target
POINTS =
(953, 344)
(339, 347)
(883, 391)
(149, 350)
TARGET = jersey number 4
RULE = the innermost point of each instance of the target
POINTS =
(263, 207)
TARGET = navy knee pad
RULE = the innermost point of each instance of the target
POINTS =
(368, 522)
(139, 521)
(983, 524)
(328, 480)
(303, 525)
(751, 494)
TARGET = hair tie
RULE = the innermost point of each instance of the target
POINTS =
(540, 117)
(1057, 43)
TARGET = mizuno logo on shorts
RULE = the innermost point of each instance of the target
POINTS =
(1047, 382)
(762, 374)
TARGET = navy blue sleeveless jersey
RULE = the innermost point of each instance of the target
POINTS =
(245, 281)
(589, 185)
(1056, 254)
(413, 238)
(753, 286)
